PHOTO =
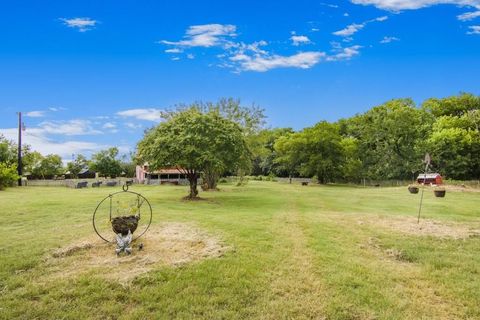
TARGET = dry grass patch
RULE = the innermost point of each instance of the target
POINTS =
(426, 227)
(170, 244)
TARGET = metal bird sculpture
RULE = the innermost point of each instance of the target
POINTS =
(123, 243)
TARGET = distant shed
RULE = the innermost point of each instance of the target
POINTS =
(86, 173)
(430, 178)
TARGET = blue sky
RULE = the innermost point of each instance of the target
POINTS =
(93, 74)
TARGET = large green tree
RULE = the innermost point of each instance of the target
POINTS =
(49, 166)
(454, 142)
(315, 151)
(250, 118)
(390, 138)
(264, 154)
(106, 163)
(194, 141)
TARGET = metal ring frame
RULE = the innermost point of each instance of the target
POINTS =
(110, 196)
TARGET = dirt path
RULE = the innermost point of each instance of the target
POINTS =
(296, 291)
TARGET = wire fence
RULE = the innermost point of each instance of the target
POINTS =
(73, 183)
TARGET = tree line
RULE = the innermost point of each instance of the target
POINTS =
(107, 163)
(388, 141)
(210, 140)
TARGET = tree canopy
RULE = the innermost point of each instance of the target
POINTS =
(193, 141)
(105, 162)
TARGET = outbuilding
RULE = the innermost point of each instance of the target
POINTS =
(161, 176)
(430, 178)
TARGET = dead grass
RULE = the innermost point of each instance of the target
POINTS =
(170, 244)
(426, 227)
(461, 188)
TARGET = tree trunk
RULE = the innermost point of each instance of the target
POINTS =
(241, 176)
(193, 179)
(210, 179)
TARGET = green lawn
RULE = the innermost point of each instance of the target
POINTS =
(297, 253)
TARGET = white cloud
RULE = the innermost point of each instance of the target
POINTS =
(345, 53)
(175, 58)
(37, 139)
(303, 60)
(389, 39)
(349, 30)
(298, 40)
(76, 127)
(207, 35)
(329, 5)
(241, 56)
(398, 5)
(355, 27)
(380, 19)
(346, 14)
(467, 16)
(174, 50)
(109, 125)
(35, 114)
(474, 30)
(81, 24)
(315, 30)
(132, 125)
(149, 114)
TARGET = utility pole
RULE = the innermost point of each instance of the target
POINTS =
(19, 164)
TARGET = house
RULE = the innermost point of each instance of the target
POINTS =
(161, 176)
(430, 178)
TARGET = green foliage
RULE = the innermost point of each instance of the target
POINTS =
(264, 154)
(313, 151)
(8, 175)
(8, 151)
(77, 165)
(454, 143)
(105, 162)
(453, 106)
(128, 168)
(195, 142)
(351, 165)
(32, 161)
(49, 166)
(390, 138)
(250, 119)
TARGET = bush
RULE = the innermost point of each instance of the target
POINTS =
(271, 177)
(8, 175)
(223, 180)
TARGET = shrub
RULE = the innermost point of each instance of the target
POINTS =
(271, 177)
(8, 175)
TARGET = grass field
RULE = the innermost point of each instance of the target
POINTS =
(296, 253)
